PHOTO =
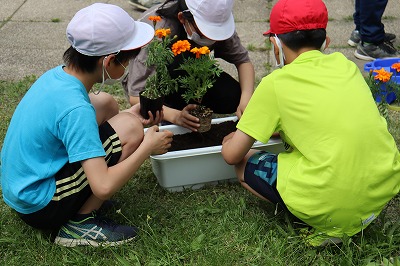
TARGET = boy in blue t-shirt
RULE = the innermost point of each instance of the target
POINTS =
(67, 150)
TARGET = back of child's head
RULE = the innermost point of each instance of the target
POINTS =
(299, 23)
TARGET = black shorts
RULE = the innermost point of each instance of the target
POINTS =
(72, 187)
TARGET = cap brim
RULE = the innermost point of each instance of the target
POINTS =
(267, 33)
(216, 32)
(143, 34)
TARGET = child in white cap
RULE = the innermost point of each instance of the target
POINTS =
(67, 150)
(341, 165)
(204, 23)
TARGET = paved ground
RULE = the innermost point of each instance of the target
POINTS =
(32, 32)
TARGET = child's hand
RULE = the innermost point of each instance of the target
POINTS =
(135, 110)
(185, 119)
(228, 137)
(159, 142)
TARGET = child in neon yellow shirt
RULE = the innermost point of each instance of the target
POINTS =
(341, 165)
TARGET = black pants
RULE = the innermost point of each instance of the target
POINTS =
(222, 98)
(368, 19)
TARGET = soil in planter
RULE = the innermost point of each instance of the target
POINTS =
(194, 140)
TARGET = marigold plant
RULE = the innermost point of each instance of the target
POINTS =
(201, 70)
(384, 87)
(159, 56)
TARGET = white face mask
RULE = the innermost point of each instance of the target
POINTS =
(323, 46)
(282, 55)
(111, 81)
(280, 50)
(195, 37)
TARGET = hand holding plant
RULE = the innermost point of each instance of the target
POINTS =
(201, 73)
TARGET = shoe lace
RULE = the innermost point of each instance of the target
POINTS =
(388, 47)
(101, 220)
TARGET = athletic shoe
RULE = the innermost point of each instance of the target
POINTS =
(94, 231)
(144, 4)
(372, 51)
(355, 38)
(318, 239)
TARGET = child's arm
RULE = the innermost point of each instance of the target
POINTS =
(106, 181)
(235, 146)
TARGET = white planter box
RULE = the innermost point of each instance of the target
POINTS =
(194, 168)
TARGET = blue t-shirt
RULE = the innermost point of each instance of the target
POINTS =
(54, 123)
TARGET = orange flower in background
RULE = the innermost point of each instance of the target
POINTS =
(396, 66)
(160, 33)
(180, 46)
(159, 55)
(382, 75)
(200, 51)
(155, 19)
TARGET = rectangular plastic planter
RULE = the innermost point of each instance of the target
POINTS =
(194, 168)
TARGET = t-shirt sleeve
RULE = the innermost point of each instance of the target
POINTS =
(232, 50)
(79, 132)
(135, 82)
(261, 117)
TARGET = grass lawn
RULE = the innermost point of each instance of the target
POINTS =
(216, 225)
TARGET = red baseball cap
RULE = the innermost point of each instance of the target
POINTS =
(291, 15)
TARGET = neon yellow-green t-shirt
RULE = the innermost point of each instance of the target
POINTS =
(344, 164)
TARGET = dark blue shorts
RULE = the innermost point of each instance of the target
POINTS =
(261, 175)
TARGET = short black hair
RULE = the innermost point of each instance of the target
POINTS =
(298, 39)
(170, 9)
(88, 64)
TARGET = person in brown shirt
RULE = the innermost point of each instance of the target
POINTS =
(204, 23)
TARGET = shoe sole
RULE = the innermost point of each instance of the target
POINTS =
(354, 44)
(68, 242)
(368, 58)
(351, 43)
(331, 241)
(363, 57)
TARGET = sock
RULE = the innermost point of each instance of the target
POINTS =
(80, 217)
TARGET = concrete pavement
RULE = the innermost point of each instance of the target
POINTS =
(32, 32)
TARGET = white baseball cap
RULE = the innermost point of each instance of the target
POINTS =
(214, 18)
(102, 29)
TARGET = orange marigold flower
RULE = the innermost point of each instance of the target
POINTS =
(204, 50)
(382, 75)
(160, 33)
(180, 46)
(396, 66)
(200, 51)
(196, 51)
(155, 18)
